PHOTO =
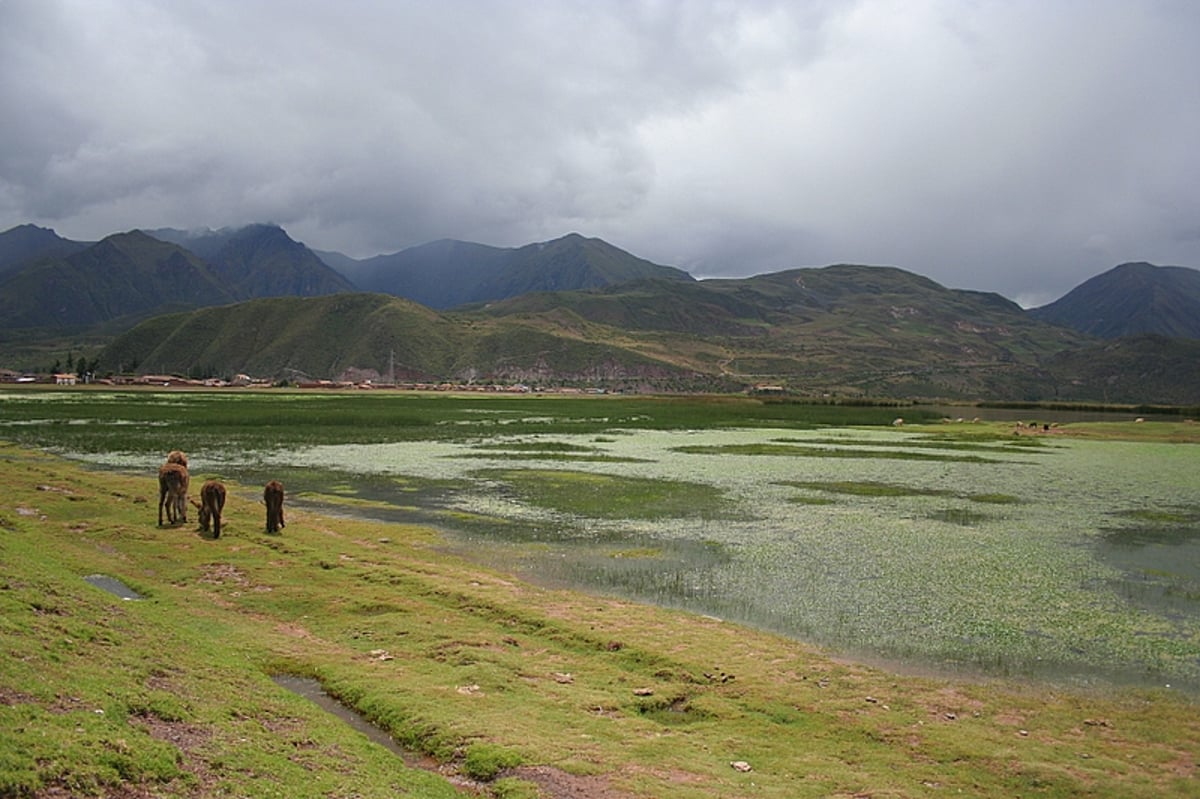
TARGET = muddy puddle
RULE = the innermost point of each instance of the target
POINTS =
(113, 586)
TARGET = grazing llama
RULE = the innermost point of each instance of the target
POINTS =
(172, 492)
(212, 502)
(273, 497)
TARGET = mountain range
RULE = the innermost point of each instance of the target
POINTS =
(580, 311)
(52, 284)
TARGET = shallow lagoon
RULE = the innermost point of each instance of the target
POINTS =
(1051, 557)
(1075, 560)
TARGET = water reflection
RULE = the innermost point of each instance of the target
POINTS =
(1159, 562)
(113, 586)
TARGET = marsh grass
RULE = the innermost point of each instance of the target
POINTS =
(612, 497)
(640, 552)
(869, 488)
(545, 456)
(1163, 516)
(557, 447)
(542, 450)
(960, 516)
(98, 421)
(805, 499)
(841, 451)
(994, 499)
(937, 442)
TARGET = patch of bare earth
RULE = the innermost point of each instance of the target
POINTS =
(222, 574)
(11, 697)
(292, 630)
(558, 784)
(187, 738)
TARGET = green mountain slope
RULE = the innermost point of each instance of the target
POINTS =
(857, 331)
(291, 337)
(1129, 300)
(1134, 369)
(332, 336)
(645, 305)
(131, 276)
(126, 275)
(844, 329)
(444, 274)
(850, 331)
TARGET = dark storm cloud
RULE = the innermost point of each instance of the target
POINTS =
(1019, 147)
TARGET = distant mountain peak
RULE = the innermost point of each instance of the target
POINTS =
(260, 260)
(448, 272)
(29, 227)
(135, 234)
(24, 243)
(1131, 299)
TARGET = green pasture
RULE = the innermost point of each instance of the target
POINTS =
(148, 421)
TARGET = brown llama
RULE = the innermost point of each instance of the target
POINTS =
(172, 492)
(212, 502)
(176, 456)
(273, 497)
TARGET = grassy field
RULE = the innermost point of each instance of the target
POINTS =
(101, 419)
(507, 689)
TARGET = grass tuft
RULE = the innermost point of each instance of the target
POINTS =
(485, 761)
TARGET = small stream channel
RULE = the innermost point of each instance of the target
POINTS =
(311, 690)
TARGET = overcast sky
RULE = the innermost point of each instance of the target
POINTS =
(1012, 146)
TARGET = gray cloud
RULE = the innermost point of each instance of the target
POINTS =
(1018, 147)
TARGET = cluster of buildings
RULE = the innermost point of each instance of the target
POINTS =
(72, 379)
(58, 378)
(245, 381)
